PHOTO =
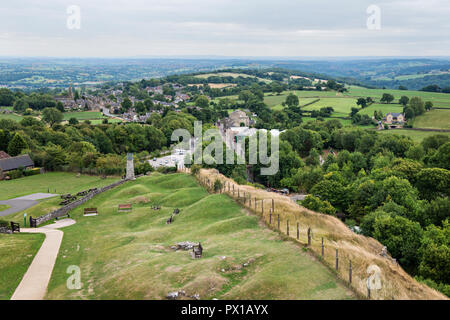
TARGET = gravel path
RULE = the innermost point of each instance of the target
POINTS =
(35, 281)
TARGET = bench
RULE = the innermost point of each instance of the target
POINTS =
(125, 207)
(63, 216)
(15, 227)
(158, 207)
(90, 212)
(197, 251)
(176, 211)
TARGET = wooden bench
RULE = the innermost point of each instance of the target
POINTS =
(197, 251)
(15, 227)
(90, 212)
(125, 207)
(158, 207)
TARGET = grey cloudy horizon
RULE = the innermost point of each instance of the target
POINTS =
(237, 28)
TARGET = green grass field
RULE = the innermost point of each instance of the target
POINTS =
(4, 207)
(417, 136)
(63, 182)
(16, 252)
(128, 255)
(385, 108)
(434, 119)
(83, 115)
(11, 116)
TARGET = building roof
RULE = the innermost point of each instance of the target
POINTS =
(395, 114)
(16, 162)
(4, 155)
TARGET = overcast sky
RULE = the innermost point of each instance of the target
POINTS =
(127, 28)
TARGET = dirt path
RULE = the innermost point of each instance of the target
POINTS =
(35, 281)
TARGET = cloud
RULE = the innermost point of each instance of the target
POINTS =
(224, 27)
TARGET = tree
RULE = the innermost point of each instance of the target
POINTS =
(403, 100)
(126, 104)
(428, 105)
(73, 121)
(16, 145)
(292, 100)
(6, 97)
(361, 102)
(401, 236)
(441, 158)
(202, 101)
(52, 116)
(433, 182)
(315, 204)
(417, 105)
(20, 105)
(387, 98)
(3, 140)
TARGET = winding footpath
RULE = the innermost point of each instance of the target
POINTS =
(35, 281)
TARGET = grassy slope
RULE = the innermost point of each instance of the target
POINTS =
(128, 255)
(16, 252)
(10, 116)
(436, 119)
(83, 115)
(4, 207)
(417, 136)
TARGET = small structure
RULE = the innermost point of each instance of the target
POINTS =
(197, 251)
(90, 212)
(156, 207)
(14, 163)
(125, 207)
(394, 120)
(15, 227)
(130, 167)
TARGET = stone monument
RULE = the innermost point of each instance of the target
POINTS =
(130, 167)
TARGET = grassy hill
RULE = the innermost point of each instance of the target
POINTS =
(128, 255)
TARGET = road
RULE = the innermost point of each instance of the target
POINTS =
(22, 203)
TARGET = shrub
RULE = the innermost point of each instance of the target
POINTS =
(217, 185)
(195, 169)
(4, 223)
(32, 172)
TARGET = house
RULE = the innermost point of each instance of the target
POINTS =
(237, 118)
(394, 120)
(14, 163)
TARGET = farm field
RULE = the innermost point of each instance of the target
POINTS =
(83, 115)
(110, 120)
(341, 106)
(63, 182)
(16, 252)
(128, 255)
(385, 108)
(415, 135)
(433, 119)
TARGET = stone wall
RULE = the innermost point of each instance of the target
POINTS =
(5, 230)
(64, 210)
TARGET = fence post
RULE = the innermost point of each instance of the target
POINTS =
(350, 272)
(309, 236)
(262, 206)
(337, 259)
(255, 203)
(322, 247)
(233, 190)
(270, 217)
(287, 227)
(368, 292)
(238, 194)
(298, 232)
(250, 200)
(278, 221)
(245, 199)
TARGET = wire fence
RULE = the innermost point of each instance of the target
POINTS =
(356, 275)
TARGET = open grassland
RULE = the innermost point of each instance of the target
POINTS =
(342, 106)
(363, 252)
(383, 107)
(433, 119)
(100, 121)
(83, 115)
(16, 253)
(417, 136)
(440, 100)
(128, 255)
(4, 207)
(10, 116)
(62, 182)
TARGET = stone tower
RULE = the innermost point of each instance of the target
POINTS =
(130, 167)
(70, 90)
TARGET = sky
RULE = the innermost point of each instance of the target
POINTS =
(256, 28)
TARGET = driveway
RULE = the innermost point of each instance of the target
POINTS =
(22, 203)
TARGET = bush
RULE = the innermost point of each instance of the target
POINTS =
(195, 169)
(167, 170)
(15, 174)
(217, 185)
(4, 223)
(32, 172)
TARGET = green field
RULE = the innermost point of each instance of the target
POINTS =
(110, 120)
(83, 115)
(11, 116)
(385, 108)
(16, 252)
(434, 119)
(128, 255)
(4, 207)
(63, 182)
(417, 136)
